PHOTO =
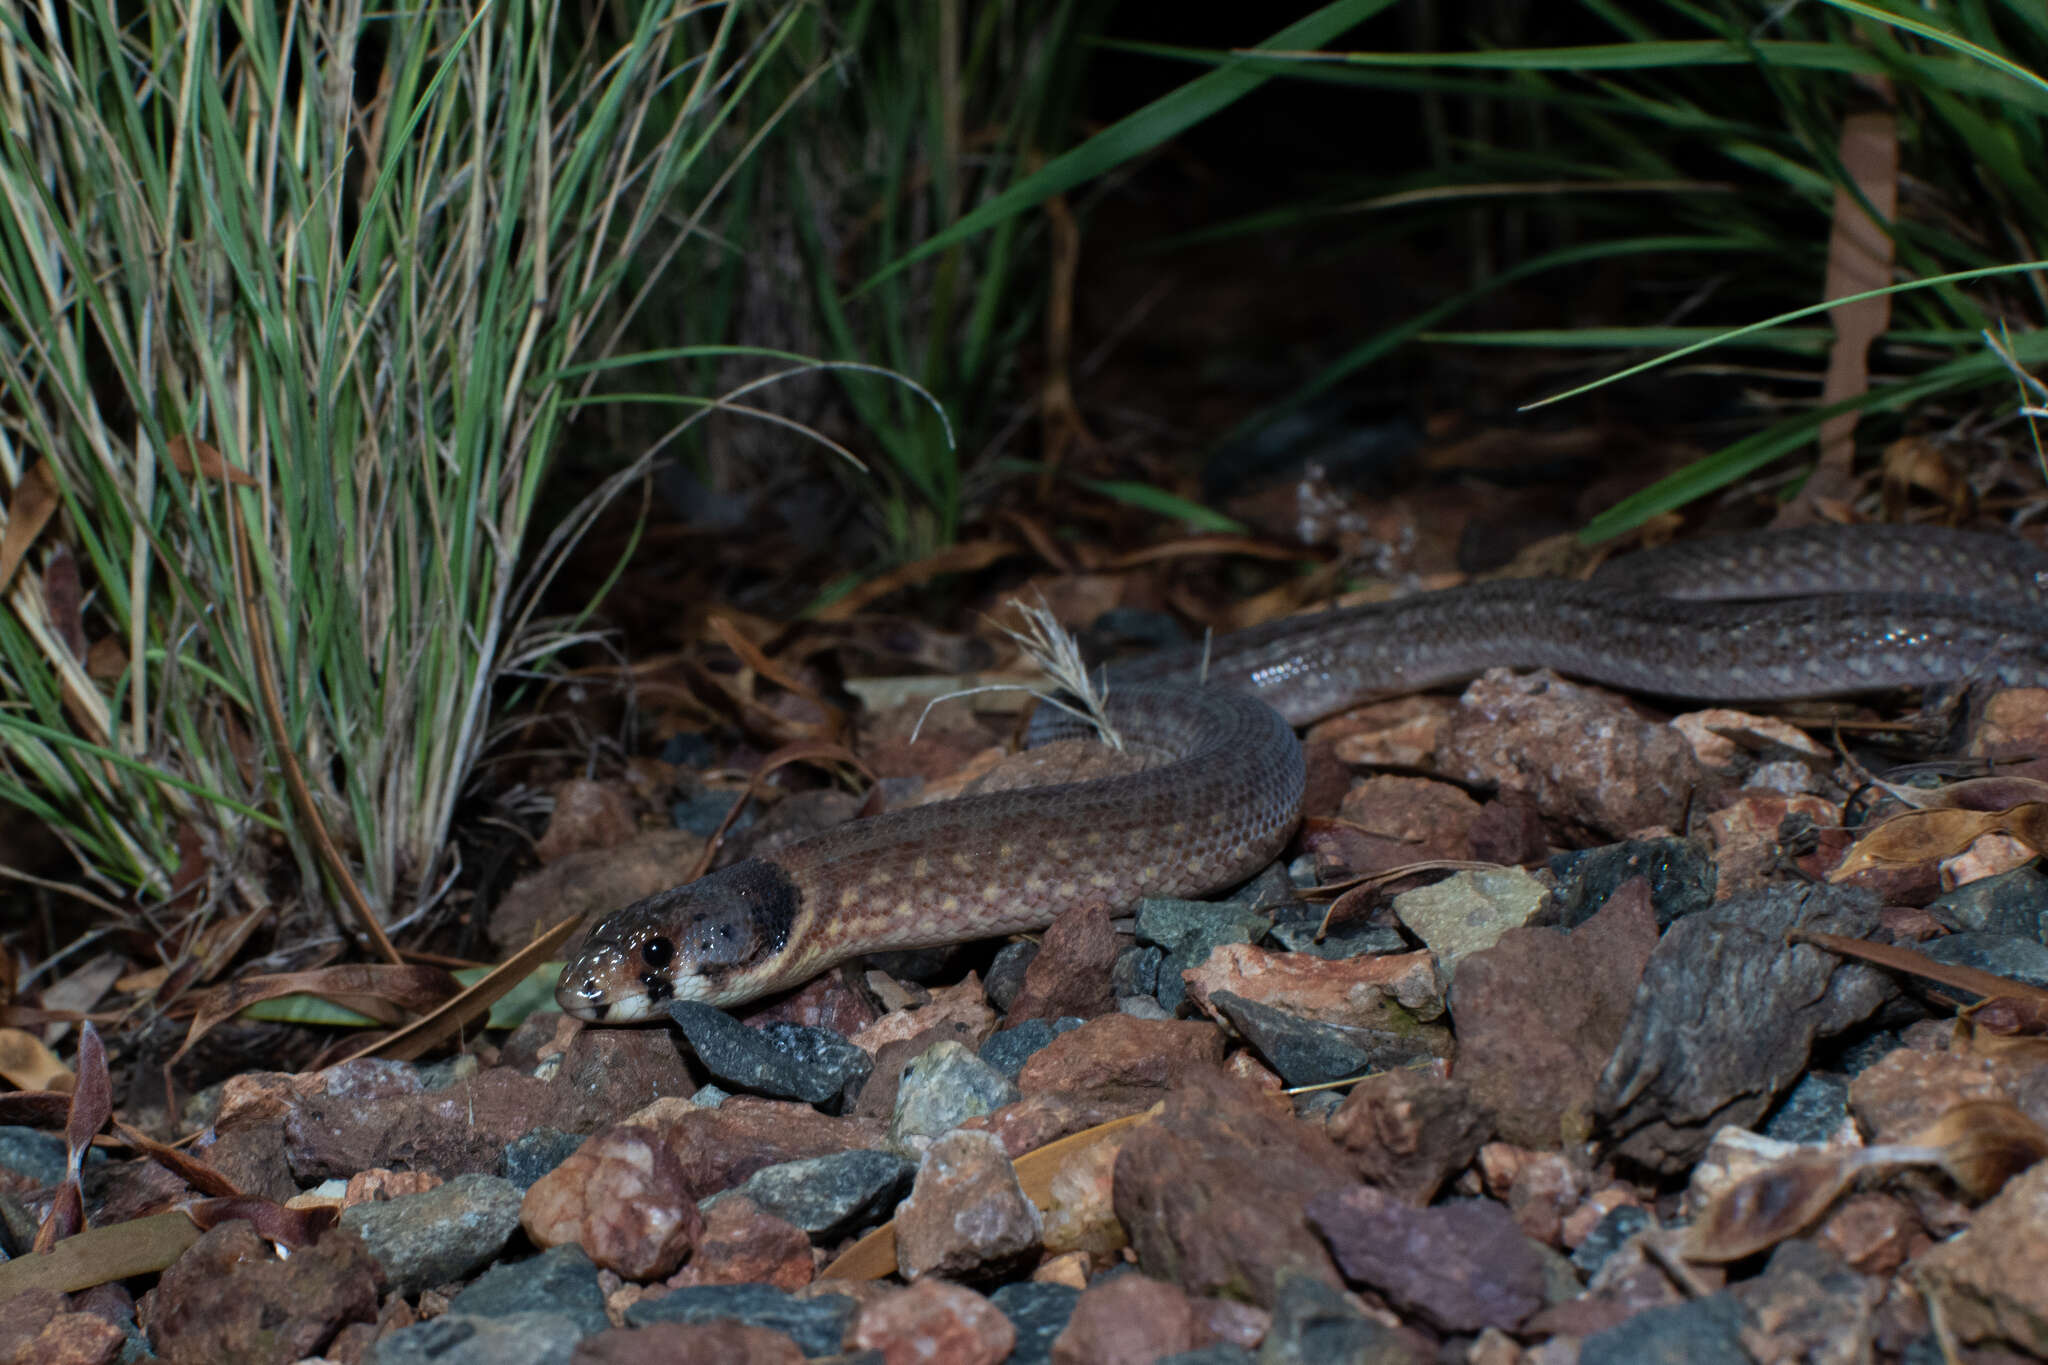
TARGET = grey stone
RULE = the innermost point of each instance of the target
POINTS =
(828, 1196)
(1216, 1353)
(946, 1086)
(1267, 892)
(2014, 902)
(440, 1235)
(1681, 873)
(1726, 1016)
(1615, 1227)
(1703, 1332)
(1812, 1111)
(533, 1154)
(561, 1280)
(1039, 1313)
(516, 1339)
(1469, 911)
(703, 812)
(1136, 971)
(2022, 959)
(816, 1325)
(1310, 1052)
(1006, 970)
(1299, 936)
(37, 1156)
(780, 1060)
(1313, 1324)
(1008, 1050)
(1189, 931)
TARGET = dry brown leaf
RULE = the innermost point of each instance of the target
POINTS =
(802, 751)
(35, 1108)
(187, 1168)
(102, 1255)
(465, 1010)
(2009, 1026)
(382, 992)
(1762, 1210)
(1917, 462)
(1972, 793)
(1207, 546)
(65, 1220)
(1923, 836)
(274, 1222)
(753, 657)
(78, 990)
(874, 1255)
(29, 1065)
(34, 502)
(190, 456)
(965, 557)
(1983, 1144)
(1905, 960)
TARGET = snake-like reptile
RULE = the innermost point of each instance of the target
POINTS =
(1825, 611)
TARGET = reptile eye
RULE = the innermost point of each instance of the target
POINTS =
(657, 953)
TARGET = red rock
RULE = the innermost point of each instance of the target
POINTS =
(2014, 725)
(1117, 1055)
(1212, 1191)
(1509, 833)
(587, 816)
(967, 1018)
(1462, 1267)
(826, 1003)
(607, 1073)
(721, 1147)
(1401, 733)
(1408, 1132)
(1585, 758)
(1130, 1320)
(373, 1186)
(38, 1328)
(1873, 1232)
(1379, 992)
(1988, 1278)
(622, 1196)
(670, 1343)
(1531, 1053)
(741, 1244)
(1227, 1320)
(1400, 820)
(456, 1130)
(1745, 839)
(1547, 1188)
(966, 1217)
(230, 1298)
(1902, 1093)
(1070, 974)
(933, 1321)
(1036, 1120)
(1722, 739)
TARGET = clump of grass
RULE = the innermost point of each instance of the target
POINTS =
(292, 299)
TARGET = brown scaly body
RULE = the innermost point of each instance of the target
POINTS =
(1951, 608)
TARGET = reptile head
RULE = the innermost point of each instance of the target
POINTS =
(706, 940)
